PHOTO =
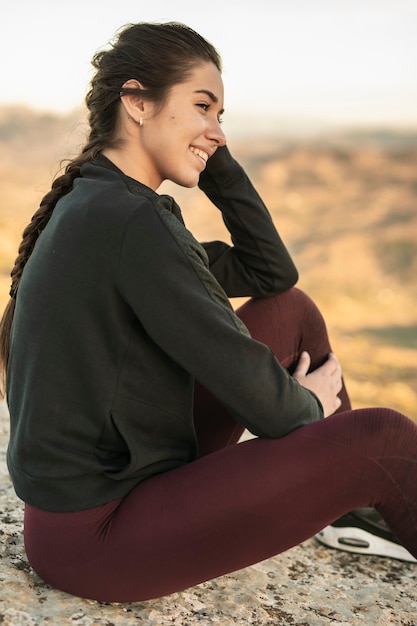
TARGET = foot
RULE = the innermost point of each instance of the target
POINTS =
(363, 531)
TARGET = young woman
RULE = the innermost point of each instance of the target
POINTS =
(130, 378)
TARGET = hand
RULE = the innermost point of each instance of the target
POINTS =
(221, 167)
(325, 381)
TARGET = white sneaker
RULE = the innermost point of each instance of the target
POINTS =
(363, 531)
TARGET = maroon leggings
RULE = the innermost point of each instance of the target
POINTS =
(237, 504)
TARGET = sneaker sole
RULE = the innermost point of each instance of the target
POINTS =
(357, 540)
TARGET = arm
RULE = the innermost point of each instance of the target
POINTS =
(165, 279)
(258, 264)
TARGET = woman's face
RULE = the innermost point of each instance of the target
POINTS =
(178, 139)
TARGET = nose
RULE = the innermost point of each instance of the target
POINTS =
(216, 133)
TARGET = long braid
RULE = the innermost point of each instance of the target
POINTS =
(98, 99)
(99, 138)
(60, 187)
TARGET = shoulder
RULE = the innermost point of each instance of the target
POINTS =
(159, 221)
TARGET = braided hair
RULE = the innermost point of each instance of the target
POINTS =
(158, 56)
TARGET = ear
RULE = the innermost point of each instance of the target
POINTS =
(133, 101)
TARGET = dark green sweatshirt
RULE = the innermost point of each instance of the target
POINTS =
(119, 310)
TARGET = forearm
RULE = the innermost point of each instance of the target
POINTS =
(258, 261)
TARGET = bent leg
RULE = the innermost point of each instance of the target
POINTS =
(231, 508)
(288, 323)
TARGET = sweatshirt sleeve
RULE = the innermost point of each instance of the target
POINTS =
(258, 264)
(165, 279)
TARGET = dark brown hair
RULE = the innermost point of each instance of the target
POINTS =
(158, 56)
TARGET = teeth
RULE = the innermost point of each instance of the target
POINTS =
(200, 153)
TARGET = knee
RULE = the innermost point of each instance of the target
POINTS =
(292, 300)
(291, 314)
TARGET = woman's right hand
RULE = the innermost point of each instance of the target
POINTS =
(325, 381)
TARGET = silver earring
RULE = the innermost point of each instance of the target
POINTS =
(140, 121)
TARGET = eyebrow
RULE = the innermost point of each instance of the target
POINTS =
(210, 94)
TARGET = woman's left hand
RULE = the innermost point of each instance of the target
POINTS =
(325, 381)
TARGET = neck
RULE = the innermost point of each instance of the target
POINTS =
(131, 164)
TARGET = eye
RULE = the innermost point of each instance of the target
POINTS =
(206, 107)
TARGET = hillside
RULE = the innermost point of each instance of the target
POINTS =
(344, 203)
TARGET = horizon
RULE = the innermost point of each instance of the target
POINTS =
(271, 125)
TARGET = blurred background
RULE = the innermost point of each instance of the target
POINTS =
(321, 109)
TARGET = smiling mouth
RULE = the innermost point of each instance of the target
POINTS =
(200, 153)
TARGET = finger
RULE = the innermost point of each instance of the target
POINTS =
(334, 360)
(303, 364)
(337, 378)
(335, 365)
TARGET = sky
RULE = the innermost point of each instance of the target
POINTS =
(348, 62)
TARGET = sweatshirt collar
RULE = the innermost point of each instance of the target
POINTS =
(133, 185)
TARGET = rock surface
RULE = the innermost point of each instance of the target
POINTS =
(306, 586)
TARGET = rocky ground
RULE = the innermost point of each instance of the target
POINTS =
(307, 586)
